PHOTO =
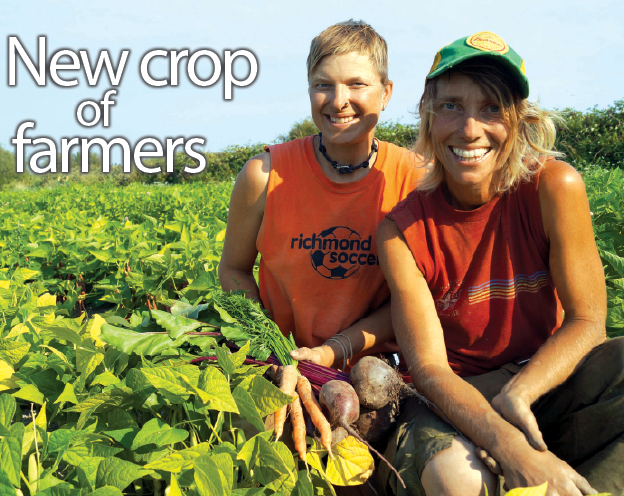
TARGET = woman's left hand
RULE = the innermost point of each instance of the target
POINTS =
(321, 355)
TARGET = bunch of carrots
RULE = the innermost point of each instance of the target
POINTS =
(291, 380)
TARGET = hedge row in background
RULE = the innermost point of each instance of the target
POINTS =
(592, 138)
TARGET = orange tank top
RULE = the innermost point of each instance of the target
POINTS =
(319, 271)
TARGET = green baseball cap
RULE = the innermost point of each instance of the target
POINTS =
(483, 44)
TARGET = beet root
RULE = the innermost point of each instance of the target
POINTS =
(339, 402)
(338, 434)
(375, 382)
(374, 425)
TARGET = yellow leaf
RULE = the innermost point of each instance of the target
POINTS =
(529, 491)
(41, 420)
(352, 463)
(17, 330)
(94, 328)
(220, 235)
(46, 300)
(5, 284)
(174, 488)
(315, 453)
(6, 371)
(58, 354)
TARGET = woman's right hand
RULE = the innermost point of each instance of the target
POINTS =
(321, 355)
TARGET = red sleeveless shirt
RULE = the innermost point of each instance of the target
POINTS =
(488, 273)
(319, 271)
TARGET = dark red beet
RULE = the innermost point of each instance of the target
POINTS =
(375, 382)
(339, 402)
(375, 425)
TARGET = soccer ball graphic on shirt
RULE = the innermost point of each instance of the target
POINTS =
(331, 260)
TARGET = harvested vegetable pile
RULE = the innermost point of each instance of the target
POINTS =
(260, 330)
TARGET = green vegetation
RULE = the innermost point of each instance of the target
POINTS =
(595, 137)
(123, 400)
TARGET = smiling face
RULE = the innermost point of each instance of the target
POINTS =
(347, 96)
(469, 135)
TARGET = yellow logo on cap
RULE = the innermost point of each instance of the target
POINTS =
(488, 42)
(436, 61)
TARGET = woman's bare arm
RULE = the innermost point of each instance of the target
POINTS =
(244, 219)
(369, 331)
(576, 270)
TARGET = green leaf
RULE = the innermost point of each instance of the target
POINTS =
(225, 465)
(271, 470)
(185, 310)
(267, 397)
(118, 473)
(235, 334)
(156, 432)
(30, 393)
(76, 455)
(224, 361)
(167, 383)
(105, 379)
(60, 440)
(174, 488)
(215, 391)
(141, 343)
(124, 436)
(616, 262)
(12, 351)
(207, 477)
(7, 410)
(104, 451)
(225, 317)
(250, 450)
(304, 486)
(247, 407)
(180, 460)
(239, 357)
(87, 358)
(47, 383)
(6, 488)
(249, 491)
(176, 326)
(107, 491)
(11, 456)
(68, 395)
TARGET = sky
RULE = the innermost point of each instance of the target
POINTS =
(572, 50)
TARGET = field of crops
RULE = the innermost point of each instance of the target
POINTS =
(106, 302)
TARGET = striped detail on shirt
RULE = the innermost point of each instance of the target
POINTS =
(507, 289)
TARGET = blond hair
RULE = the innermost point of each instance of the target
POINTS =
(531, 130)
(346, 37)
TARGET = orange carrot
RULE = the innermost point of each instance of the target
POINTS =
(287, 386)
(316, 414)
(299, 431)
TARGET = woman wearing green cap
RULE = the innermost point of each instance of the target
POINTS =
(481, 259)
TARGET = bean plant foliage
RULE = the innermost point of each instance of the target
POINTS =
(115, 376)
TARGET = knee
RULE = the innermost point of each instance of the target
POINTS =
(609, 362)
(457, 471)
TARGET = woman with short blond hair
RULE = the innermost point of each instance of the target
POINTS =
(311, 208)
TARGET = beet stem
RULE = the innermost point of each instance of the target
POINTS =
(355, 434)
